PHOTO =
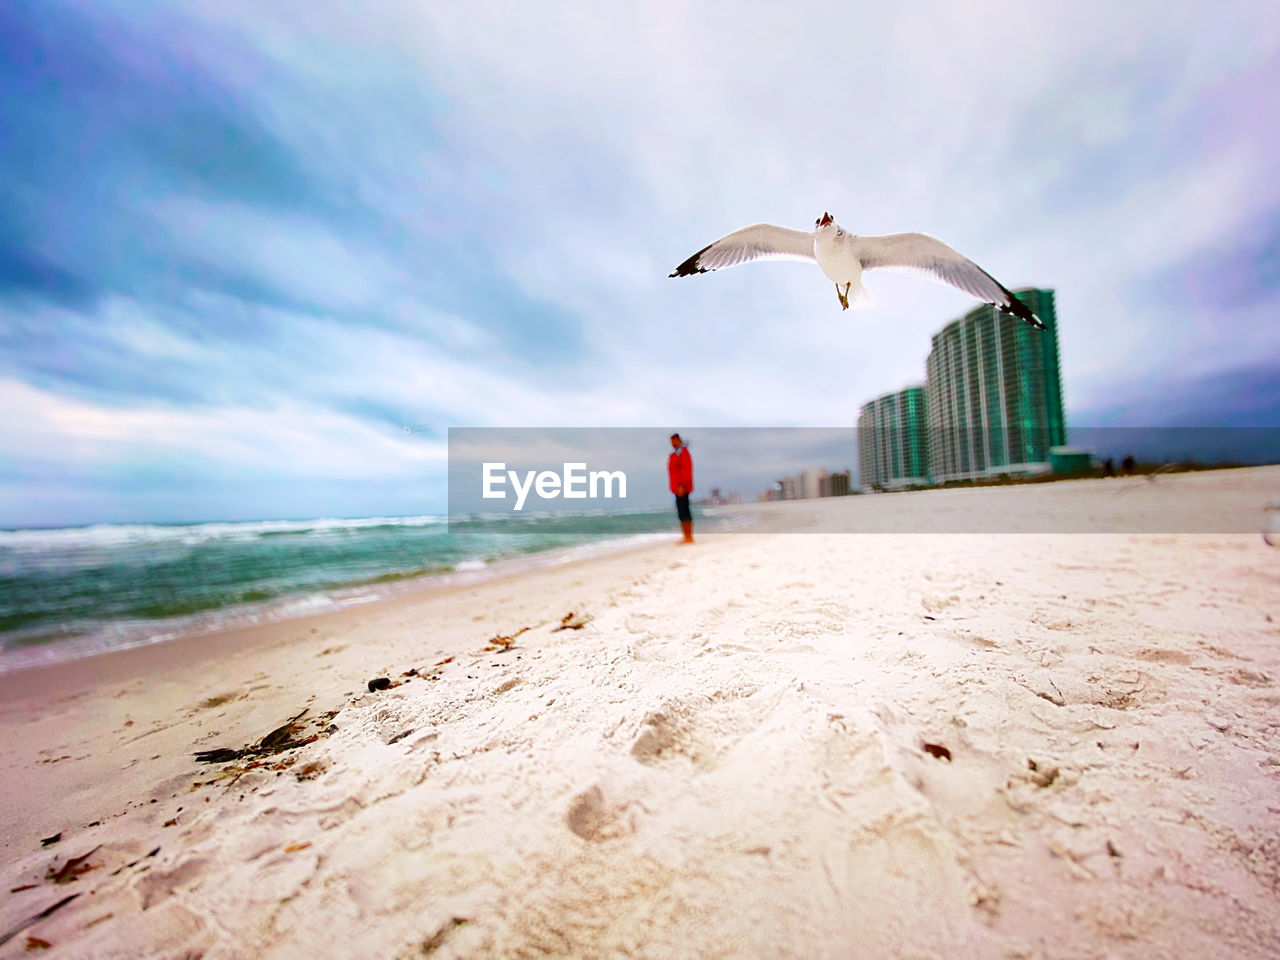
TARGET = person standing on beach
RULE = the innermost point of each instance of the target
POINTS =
(680, 475)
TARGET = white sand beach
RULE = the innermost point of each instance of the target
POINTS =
(764, 745)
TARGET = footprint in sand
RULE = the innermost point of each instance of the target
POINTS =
(592, 818)
(662, 732)
(1248, 678)
(703, 729)
(936, 604)
(1126, 690)
(159, 885)
(219, 699)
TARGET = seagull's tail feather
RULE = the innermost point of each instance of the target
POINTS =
(859, 298)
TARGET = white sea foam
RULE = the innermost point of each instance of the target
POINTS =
(106, 535)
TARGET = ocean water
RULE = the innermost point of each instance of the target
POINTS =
(72, 592)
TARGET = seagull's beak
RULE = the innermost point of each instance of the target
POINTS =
(826, 218)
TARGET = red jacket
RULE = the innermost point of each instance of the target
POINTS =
(680, 470)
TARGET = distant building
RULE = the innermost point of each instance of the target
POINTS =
(809, 483)
(995, 393)
(892, 448)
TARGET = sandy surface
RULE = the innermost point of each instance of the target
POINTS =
(727, 759)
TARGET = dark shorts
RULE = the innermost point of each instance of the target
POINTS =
(682, 509)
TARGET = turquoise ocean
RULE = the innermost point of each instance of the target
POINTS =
(72, 592)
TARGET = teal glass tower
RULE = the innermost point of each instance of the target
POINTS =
(995, 392)
(892, 448)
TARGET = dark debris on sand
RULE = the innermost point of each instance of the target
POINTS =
(287, 736)
(73, 868)
(573, 621)
(504, 641)
(34, 918)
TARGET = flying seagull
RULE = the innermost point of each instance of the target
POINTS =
(843, 258)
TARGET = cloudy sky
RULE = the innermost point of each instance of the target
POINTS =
(244, 245)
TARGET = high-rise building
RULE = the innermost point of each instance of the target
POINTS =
(892, 448)
(995, 392)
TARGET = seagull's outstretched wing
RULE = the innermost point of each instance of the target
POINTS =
(920, 253)
(763, 241)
